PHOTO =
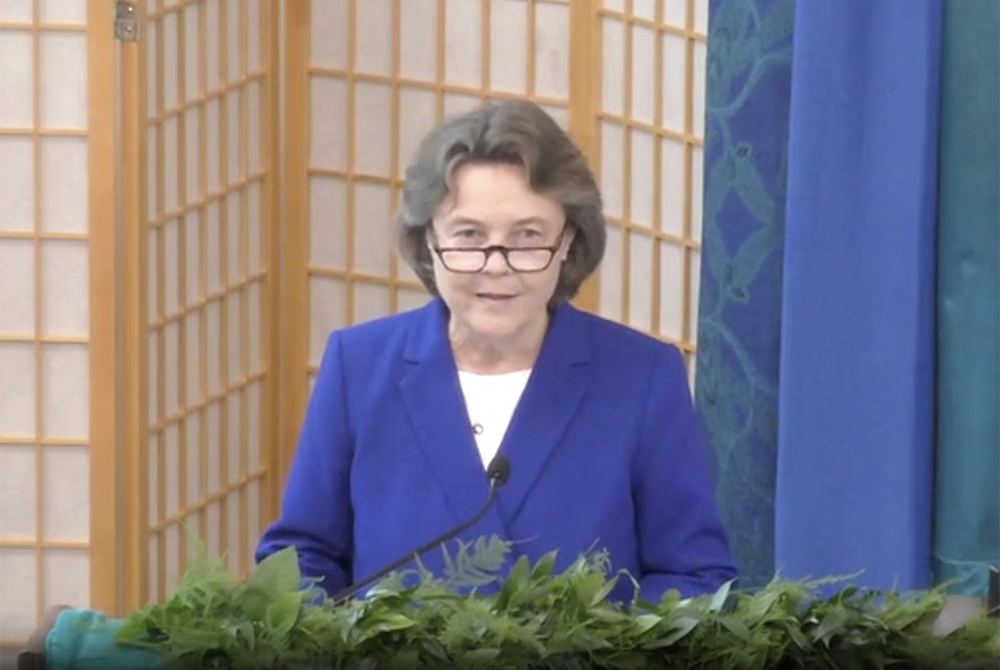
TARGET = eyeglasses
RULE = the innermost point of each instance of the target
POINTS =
(519, 259)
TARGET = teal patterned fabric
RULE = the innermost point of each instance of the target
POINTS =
(739, 322)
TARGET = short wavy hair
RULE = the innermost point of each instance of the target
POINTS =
(516, 132)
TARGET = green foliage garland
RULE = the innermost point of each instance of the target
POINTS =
(540, 619)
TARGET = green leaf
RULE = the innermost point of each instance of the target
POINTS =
(283, 613)
(392, 621)
(516, 581)
(544, 566)
(736, 627)
(643, 623)
(719, 599)
(831, 625)
(603, 592)
(682, 628)
(277, 573)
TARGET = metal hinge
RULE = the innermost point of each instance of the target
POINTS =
(127, 21)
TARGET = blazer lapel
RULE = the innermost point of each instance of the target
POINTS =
(550, 400)
(437, 412)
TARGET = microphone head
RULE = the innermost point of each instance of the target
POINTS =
(498, 471)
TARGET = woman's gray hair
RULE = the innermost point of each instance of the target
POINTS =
(514, 132)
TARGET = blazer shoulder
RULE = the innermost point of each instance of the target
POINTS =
(377, 336)
(612, 339)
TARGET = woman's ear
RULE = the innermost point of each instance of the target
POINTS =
(568, 239)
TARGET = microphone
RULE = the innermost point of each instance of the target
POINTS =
(497, 475)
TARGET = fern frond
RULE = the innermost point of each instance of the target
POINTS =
(475, 564)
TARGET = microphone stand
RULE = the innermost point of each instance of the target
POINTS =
(498, 473)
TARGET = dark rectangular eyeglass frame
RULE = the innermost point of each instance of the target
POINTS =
(503, 250)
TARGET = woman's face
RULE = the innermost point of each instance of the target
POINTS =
(493, 205)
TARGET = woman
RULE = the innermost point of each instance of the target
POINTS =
(502, 221)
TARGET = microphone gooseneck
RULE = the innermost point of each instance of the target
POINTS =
(497, 474)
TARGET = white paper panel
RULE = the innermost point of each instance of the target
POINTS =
(674, 68)
(644, 74)
(552, 57)
(63, 74)
(194, 458)
(611, 285)
(327, 309)
(207, 252)
(16, 72)
(612, 169)
(671, 290)
(508, 25)
(65, 312)
(66, 494)
(17, 288)
(65, 388)
(697, 193)
(213, 521)
(64, 184)
(66, 577)
(18, 592)
(643, 172)
(373, 234)
(16, 169)
(234, 556)
(374, 18)
(44, 313)
(17, 491)
(640, 264)
(328, 211)
(695, 288)
(672, 169)
(16, 11)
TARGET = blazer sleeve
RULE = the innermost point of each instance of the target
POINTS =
(316, 515)
(681, 538)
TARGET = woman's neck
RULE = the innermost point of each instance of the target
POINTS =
(494, 356)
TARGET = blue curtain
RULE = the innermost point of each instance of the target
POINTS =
(817, 323)
(855, 437)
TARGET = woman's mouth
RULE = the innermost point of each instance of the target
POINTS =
(496, 297)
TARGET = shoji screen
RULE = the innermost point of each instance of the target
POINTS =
(204, 248)
(651, 128)
(57, 340)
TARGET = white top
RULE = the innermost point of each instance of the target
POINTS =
(491, 401)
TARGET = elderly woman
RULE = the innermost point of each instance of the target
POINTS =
(502, 221)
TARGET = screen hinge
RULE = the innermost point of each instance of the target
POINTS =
(127, 21)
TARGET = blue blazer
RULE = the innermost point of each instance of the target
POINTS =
(605, 452)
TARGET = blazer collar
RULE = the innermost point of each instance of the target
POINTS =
(433, 398)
